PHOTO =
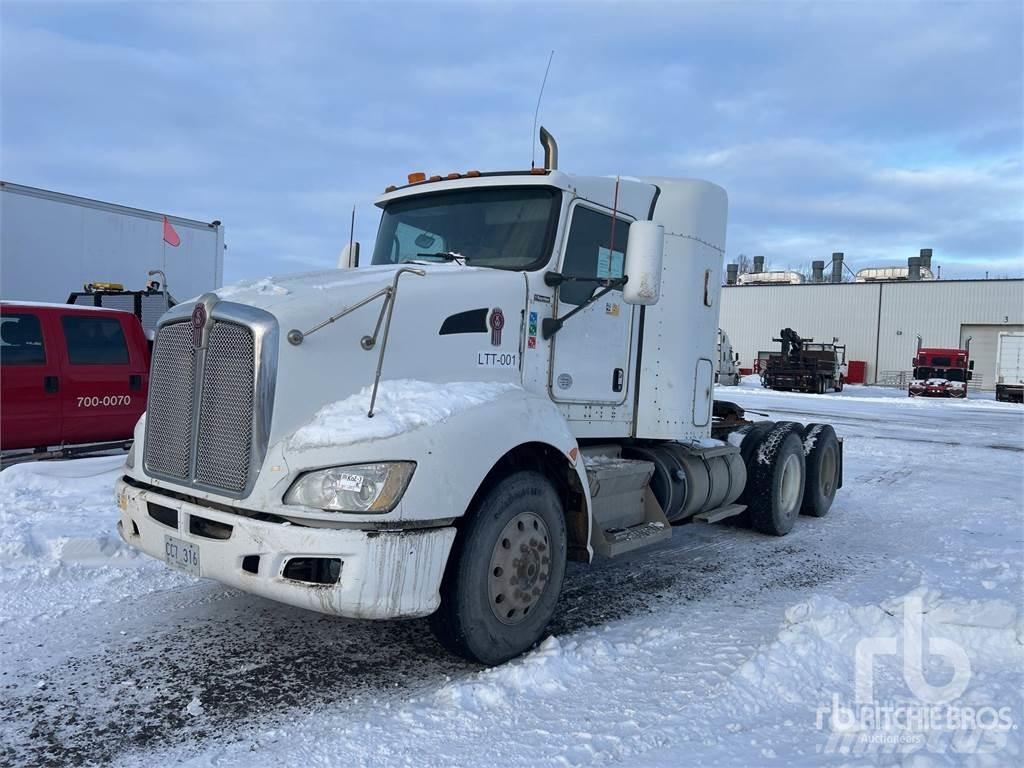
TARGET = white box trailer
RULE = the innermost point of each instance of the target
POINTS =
(1010, 368)
(52, 244)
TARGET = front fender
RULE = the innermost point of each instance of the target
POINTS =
(452, 456)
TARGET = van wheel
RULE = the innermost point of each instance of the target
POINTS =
(822, 458)
(775, 481)
(505, 572)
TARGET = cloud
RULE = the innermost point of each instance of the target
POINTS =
(834, 126)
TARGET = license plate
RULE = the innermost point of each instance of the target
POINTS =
(181, 554)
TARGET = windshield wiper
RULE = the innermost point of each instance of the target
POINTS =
(458, 258)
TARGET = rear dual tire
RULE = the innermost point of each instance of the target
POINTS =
(823, 466)
(775, 479)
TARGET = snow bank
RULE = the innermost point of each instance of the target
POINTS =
(402, 406)
(60, 511)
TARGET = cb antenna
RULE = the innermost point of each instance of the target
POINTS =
(533, 143)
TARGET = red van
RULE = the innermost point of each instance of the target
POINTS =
(69, 375)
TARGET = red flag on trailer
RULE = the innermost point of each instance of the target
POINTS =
(170, 236)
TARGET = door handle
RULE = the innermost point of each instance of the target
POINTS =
(135, 382)
(618, 377)
(51, 383)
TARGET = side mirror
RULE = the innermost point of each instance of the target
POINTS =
(349, 256)
(644, 250)
(970, 366)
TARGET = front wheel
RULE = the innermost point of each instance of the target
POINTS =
(505, 572)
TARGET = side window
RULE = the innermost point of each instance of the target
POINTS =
(94, 340)
(21, 340)
(590, 253)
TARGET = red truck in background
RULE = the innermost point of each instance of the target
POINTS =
(941, 371)
(69, 375)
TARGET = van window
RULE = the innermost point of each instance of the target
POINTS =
(21, 340)
(94, 340)
(589, 252)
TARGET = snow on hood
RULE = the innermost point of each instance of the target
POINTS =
(402, 406)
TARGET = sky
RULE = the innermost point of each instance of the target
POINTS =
(872, 128)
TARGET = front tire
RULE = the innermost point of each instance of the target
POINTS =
(505, 572)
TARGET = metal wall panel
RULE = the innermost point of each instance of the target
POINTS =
(753, 315)
(878, 322)
(936, 310)
(984, 346)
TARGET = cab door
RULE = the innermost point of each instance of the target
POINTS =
(30, 414)
(104, 381)
(590, 354)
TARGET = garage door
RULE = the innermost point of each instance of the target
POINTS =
(984, 339)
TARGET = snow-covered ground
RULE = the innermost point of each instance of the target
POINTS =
(719, 647)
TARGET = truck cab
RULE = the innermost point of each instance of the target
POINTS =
(70, 375)
(522, 375)
(941, 372)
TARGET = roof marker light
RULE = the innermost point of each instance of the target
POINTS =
(416, 177)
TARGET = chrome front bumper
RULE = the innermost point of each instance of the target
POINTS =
(383, 574)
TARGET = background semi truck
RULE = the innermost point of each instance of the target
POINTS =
(523, 376)
(52, 244)
(727, 371)
(1010, 368)
(941, 371)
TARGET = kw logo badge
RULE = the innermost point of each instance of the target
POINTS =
(496, 322)
(198, 323)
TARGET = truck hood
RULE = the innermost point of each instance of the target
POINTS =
(440, 332)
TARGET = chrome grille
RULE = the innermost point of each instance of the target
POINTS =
(226, 408)
(168, 449)
(210, 408)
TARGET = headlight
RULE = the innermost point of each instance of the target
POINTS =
(356, 488)
(129, 460)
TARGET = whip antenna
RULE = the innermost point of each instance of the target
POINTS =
(533, 143)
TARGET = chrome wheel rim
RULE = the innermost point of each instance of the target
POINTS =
(520, 568)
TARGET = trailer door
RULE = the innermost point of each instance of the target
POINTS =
(104, 379)
(30, 377)
(590, 354)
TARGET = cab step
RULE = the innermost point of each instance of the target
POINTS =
(626, 514)
(716, 515)
(618, 541)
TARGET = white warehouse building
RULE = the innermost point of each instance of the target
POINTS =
(878, 320)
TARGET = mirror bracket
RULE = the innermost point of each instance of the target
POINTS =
(549, 326)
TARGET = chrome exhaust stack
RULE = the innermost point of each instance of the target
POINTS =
(550, 149)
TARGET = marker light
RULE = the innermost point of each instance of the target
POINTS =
(416, 177)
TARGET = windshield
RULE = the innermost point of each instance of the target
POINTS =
(952, 374)
(502, 227)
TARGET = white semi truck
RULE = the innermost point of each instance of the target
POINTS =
(727, 371)
(523, 376)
